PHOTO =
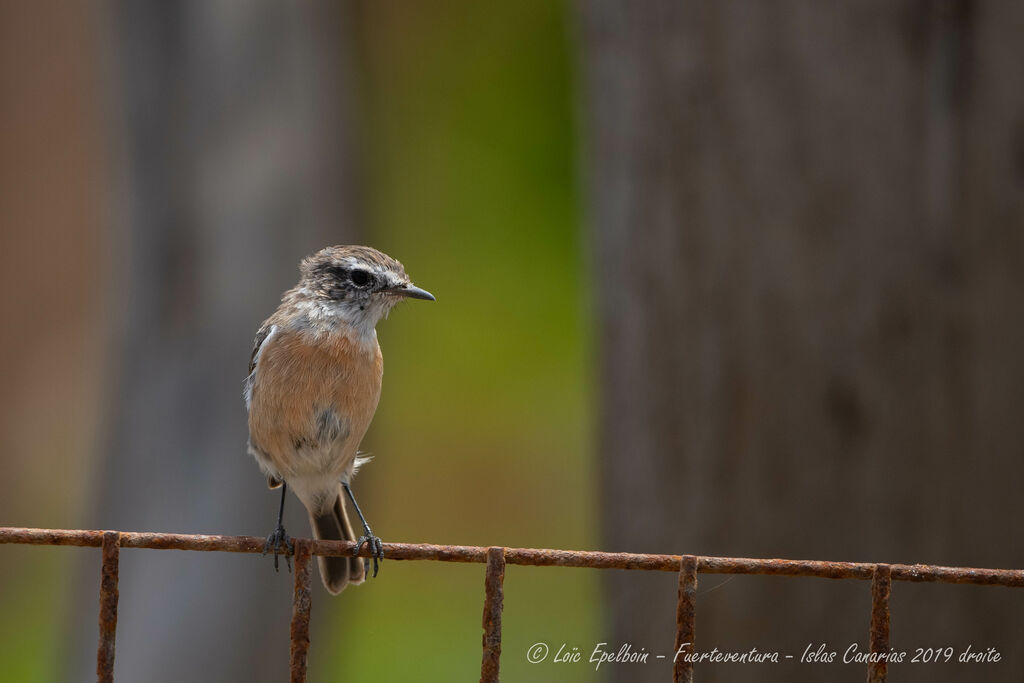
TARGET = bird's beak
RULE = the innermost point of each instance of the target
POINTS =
(411, 291)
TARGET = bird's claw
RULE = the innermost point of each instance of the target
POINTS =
(278, 538)
(376, 550)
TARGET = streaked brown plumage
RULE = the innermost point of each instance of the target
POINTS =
(313, 386)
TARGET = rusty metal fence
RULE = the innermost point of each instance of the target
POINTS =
(496, 559)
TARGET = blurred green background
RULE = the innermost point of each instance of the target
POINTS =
(483, 432)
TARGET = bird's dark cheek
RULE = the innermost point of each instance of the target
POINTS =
(337, 293)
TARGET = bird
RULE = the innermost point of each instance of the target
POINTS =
(313, 386)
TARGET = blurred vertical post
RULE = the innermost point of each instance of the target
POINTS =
(232, 123)
(807, 221)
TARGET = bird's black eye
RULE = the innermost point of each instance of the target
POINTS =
(360, 278)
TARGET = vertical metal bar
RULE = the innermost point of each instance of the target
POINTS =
(301, 605)
(111, 550)
(494, 602)
(881, 589)
(686, 614)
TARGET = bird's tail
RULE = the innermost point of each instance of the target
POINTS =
(333, 525)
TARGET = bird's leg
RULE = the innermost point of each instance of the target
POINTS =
(376, 547)
(278, 537)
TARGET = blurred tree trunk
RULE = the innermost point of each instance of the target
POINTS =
(808, 222)
(233, 126)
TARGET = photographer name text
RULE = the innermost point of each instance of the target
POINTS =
(813, 653)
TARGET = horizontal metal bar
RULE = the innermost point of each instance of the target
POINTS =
(534, 556)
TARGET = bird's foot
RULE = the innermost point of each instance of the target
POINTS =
(376, 550)
(279, 541)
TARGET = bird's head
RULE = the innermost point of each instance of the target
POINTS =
(357, 284)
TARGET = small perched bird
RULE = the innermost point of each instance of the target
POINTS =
(313, 386)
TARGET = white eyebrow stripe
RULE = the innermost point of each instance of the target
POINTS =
(382, 271)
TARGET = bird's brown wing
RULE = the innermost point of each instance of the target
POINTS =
(261, 336)
(256, 344)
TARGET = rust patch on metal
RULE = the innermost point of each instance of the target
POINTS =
(494, 601)
(686, 617)
(881, 589)
(108, 606)
(301, 605)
